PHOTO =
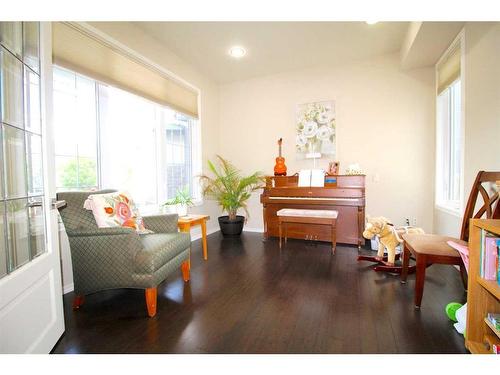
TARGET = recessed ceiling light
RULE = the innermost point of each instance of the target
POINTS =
(371, 22)
(237, 52)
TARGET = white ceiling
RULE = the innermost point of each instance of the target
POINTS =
(273, 47)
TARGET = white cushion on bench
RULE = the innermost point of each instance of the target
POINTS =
(330, 214)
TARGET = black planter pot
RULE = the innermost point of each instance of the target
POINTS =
(231, 227)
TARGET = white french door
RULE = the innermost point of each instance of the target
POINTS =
(31, 312)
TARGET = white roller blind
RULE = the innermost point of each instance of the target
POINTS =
(448, 70)
(87, 55)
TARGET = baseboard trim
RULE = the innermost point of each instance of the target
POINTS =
(209, 232)
(256, 230)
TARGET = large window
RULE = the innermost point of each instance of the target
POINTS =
(449, 140)
(75, 111)
(110, 138)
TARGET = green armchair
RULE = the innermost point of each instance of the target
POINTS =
(112, 258)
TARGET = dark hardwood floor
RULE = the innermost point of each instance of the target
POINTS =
(251, 298)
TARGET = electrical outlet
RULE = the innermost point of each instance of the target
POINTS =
(414, 221)
(407, 221)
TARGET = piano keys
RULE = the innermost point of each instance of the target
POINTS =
(347, 196)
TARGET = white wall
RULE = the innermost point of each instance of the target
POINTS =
(482, 111)
(385, 123)
(135, 39)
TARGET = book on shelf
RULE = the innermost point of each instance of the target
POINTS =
(498, 262)
(489, 257)
(494, 319)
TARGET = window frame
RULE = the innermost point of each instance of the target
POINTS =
(439, 203)
(160, 126)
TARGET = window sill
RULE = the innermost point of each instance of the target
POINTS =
(447, 209)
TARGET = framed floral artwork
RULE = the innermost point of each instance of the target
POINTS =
(316, 130)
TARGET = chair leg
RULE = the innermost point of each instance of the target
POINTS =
(463, 273)
(78, 301)
(151, 297)
(420, 278)
(406, 263)
(185, 268)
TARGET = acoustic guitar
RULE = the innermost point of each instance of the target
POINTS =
(280, 167)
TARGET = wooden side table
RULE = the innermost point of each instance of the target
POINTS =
(185, 224)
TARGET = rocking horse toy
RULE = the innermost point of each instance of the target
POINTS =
(389, 238)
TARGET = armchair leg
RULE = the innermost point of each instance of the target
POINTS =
(185, 268)
(151, 297)
(78, 301)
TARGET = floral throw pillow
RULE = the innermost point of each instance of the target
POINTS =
(115, 210)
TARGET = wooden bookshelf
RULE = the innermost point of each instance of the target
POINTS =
(490, 285)
(483, 295)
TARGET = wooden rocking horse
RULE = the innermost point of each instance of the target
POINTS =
(389, 238)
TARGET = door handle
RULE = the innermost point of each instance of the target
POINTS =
(35, 203)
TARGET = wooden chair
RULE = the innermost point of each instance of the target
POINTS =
(431, 249)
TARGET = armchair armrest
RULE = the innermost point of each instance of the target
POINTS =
(161, 223)
(100, 232)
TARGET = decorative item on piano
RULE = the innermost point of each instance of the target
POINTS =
(316, 130)
(231, 191)
(333, 168)
(354, 169)
(280, 167)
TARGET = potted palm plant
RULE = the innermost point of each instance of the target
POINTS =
(231, 190)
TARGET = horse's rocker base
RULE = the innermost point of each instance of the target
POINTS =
(371, 258)
(381, 267)
(393, 269)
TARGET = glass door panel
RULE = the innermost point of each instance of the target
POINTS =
(34, 164)
(37, 226)
(32, 118)
(11, 77)
(11, 36)
(31, 50)
(14, 162)
(17, 233)
(3, 248)
(22, 214)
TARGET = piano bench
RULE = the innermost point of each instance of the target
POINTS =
(322, 217)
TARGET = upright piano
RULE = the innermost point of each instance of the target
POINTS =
(346, 195)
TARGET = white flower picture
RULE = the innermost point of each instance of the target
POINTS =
(310, 129)
(316, 130)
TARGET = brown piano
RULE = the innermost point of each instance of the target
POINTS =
(346, 195)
